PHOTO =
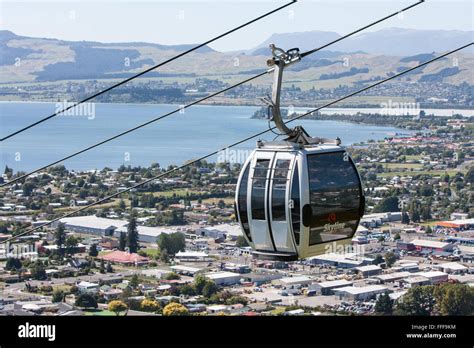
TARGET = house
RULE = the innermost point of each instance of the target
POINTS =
(125, 258)
(87, 287)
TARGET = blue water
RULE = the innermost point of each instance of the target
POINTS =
(174, 140)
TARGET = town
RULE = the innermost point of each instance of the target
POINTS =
(172, 247)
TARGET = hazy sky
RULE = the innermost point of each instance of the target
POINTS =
(175, 22)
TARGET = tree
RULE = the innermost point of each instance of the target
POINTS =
(426, 213)
(418, 300)
(86, 301)
(71, 244)
(390, 259)
(38, 271)
(132, 233)
(209, 289)
(172, 243)
(199, 283)
(387, 204)
(58, 296)
(429, 230)
(175, 309)
(405, 218)
(172, 276)
(109, 268)
(378, 259)
(122, 205)
(60, 237)
(397, 236)
(384, 304)
(241, 242)
(454, 299)
(122, 241)
(13, 264)
(134, 282)
(149, 305)
(102, 266)
(117, 307)
(93, 252)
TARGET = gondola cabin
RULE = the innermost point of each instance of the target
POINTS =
(292, 200)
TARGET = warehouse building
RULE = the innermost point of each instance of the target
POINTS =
(290, 282)
(452, 267)
(223, 278)
(327, 288)
(360, 293)
(92, 224)
(369, 270)
(392, 277)
(345, 260)
(431, 245)
(435, 277)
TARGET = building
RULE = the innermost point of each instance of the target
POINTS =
(191, 256)
(345, 260)
(232, 267)
(327, 288)
(401, 245)
(87, 287)
(291, 282)
(369, 270)
(452, 267)
(360, 293)
(416, 280)
(435, 277)
(155, 273)
(92, 224)
(431, 245)
(457, 225)
(392, 277)
(223, 278)
(125, 258)
(185, 270)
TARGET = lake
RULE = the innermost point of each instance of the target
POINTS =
(173, 140)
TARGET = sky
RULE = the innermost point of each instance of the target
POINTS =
(195, 21)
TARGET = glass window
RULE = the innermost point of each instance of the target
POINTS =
(295, 210)
(279, 190)
(335, 197)
(242, 202)
(258, 189)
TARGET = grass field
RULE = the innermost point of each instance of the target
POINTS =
(401, 165)
(178, 193)
(422, 172)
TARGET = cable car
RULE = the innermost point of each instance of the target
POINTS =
(298, 197)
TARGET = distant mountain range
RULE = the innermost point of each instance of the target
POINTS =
(372, 56)
(391, 41)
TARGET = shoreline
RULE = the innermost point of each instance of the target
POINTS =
(457, 110)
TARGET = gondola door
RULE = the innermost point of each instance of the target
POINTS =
(280, 203)
(258, 186)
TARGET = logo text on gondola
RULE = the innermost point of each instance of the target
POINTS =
(37, 331)
(335, 227)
